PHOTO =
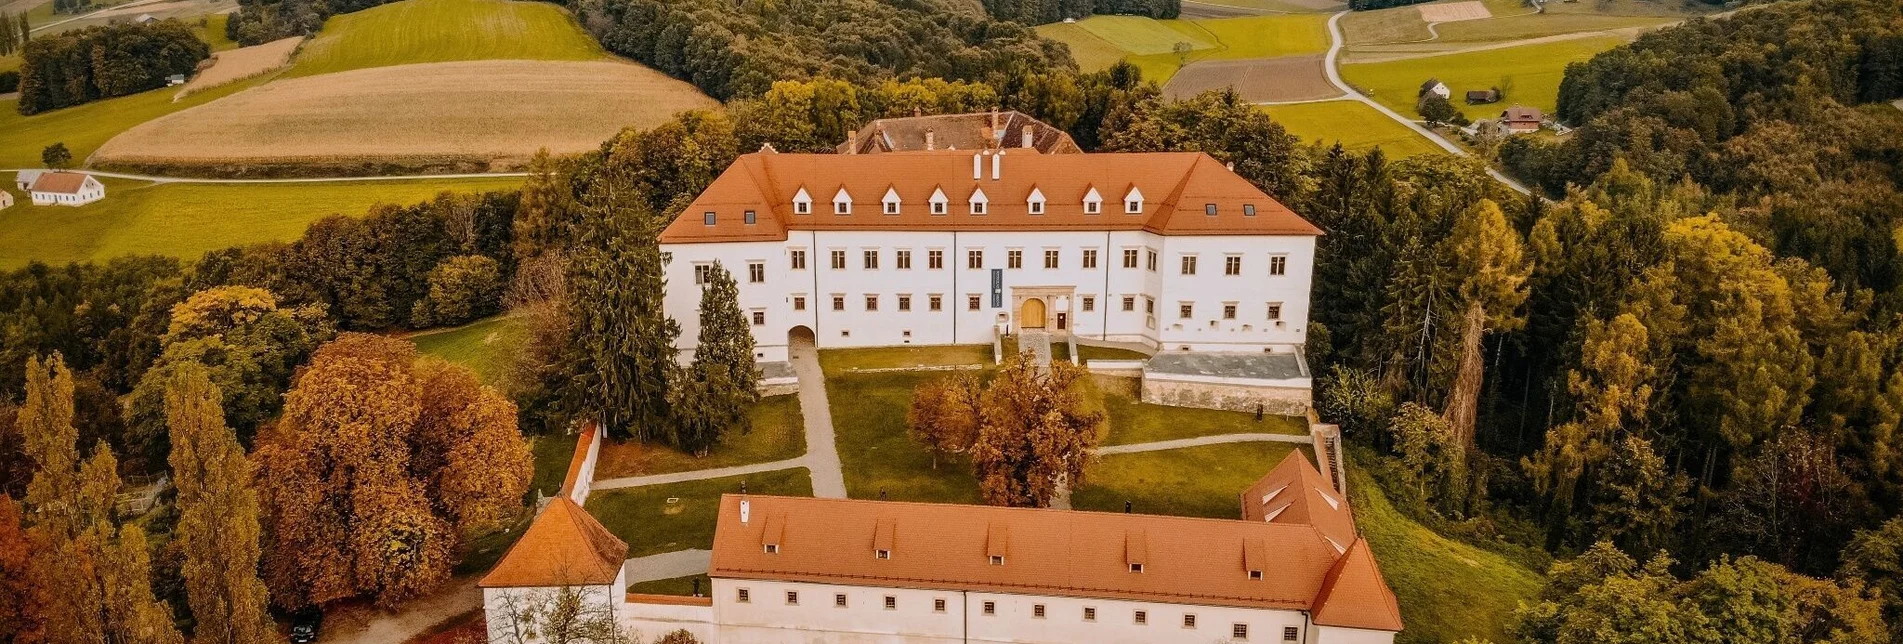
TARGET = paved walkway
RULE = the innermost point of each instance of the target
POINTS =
(1039, 344)
(668, 565)
(1220, 439)
(367, 625)
(697, 475)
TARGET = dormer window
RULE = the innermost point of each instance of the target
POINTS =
(773, 548)
(1093, 202)
(997, 560)
(842, 202)
(891, 201)
(1255, 575)
(1136, 567)
(1209, 209)
(1248, 210)
(802, 203)
(1133, 202)
(979, 201)
(707, 218)
(882, 554)
(1036, 202)
(940, 204)
(751, 218)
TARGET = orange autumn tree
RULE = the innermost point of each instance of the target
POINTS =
(378, 468)
(1038, 429)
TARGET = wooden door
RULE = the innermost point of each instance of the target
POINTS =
(1032, 315)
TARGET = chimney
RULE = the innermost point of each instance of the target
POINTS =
(1030, 135)
(997, 164)
(931, 139)
(977, 166)
(746, 510)
(850, 148)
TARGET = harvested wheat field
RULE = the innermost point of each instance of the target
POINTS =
(1455, 11)
(1257, 80)
(240, 64)
(468, 116)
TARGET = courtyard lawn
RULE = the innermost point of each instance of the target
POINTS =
(869, 425)
(836, 361)
(434, 31)
(683, 586)
(1087, 353)
(485, 346)
(1135, 421)
(186, 220)
(778, 434)
(1530, 74)
(83, 128)
(552, 456)
(644, 518)
(1353, 124)
(1448, 590)
(1197, 481)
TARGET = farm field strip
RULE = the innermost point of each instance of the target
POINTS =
(83, 128)
(239, 64)
(430, 31)
(1352, 124)
(1530, 74)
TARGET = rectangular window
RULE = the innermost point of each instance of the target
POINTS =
(891, 603)
(1133, 206)
(871, 260)
(802, 207)
(839, 260)
(759, 318)
(1152, 258)
(1239, 631)
(905, 302)
(1189, 620)
(891, 207)
(1090, 613)
(1248, 210)
(938, 207)
(1037, 207)
(743, 596)
(1090, 258)
(938, 605)
(1093, 207)
(885, 554)
(977, 207)
(974, 259)
(799, 302)
(1129, 258)
(1228, 310)
(752, 218)
(1090, 303)
(1278, 264)
(1185, 310)
(703, 273)
(1232, 265)
(1037, 610)
(872, 302)
(1275, 310)
(1014, 259)
(971, 302)
(1209, 209)
(756, 272)
(902, 260)
(798, 257)
(934, 259)
(1129, 303)
(1149, 305)
(997, 560)
(1189, 264)
(991, 608)
(1142, 617)
(1291, 633)
(839, 599)
(839, 302)
(1050, 259)
(1136, 567)
(792, 598)
(707, 218)
(936, 302)
(842, 207)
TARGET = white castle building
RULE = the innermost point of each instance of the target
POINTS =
(1172, 252)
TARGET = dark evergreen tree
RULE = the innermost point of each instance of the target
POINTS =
(722, 384)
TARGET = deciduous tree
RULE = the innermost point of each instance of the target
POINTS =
(946, 414)
(218, 524)
(1040, 430)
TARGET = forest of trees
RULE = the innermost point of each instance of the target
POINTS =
(260, 21)
(1037, 12)
(83, 65)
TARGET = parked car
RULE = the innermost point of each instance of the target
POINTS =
(306, 625)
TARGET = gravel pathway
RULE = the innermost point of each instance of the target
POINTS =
(668, 565)
(1220, 439)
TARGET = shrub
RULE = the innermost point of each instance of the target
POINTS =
(461, 288)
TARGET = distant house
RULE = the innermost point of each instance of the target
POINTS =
(1480, 96)
(67, 189)
(1438, 88)
(1520, 119)
(6, 200)
(145, 19)
(24, 180)
(994, 130)
(175, 80)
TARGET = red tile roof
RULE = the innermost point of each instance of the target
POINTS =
(1355, 595)
(564, 546)
(974, 131)
(65, 183)
(1296, 493)
(1054, 552)
(1177, 187)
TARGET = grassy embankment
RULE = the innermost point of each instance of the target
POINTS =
(185, 220)
(435, 31)
(485, 346)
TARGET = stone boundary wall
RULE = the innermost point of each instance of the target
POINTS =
(581, 469)
(1286, 398)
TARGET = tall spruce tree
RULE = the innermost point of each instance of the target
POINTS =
(218, 515)
(722, 383)
(621, 357)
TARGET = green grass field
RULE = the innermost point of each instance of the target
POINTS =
(485, 346)
(1098, 42)
(837, 361)
(1529, 74)
(1351, 123)
(83, 128)
(1448, 590)
(552, 454)
(869, 424)
(185, 220)
(777, 434)
(434, 31)
(1196, 481)
(1135, 421)
(643, 517)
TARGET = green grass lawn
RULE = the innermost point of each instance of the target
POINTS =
(552, 455)
(185, 220)
(10, 62)
(1530, 75)
(778, 434)
(1135, 421)
(1088, 353)
(213, 32)
(836, 361)
(643, 517)
(485, 346)
(433, 31)
(83, 128)
(1196, 481)
(1353, 124)
(1448, 590)
(869, 424)
(1520, 27)
(683, 586)
(1098, 42)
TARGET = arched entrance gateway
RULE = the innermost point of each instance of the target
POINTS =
(1031, 314)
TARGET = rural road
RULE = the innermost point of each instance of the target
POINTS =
(1220, 439)
(1331, 65)
(406, 177)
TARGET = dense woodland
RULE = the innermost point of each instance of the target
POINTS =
(1037, 12)
(260, 21)
(74, 67)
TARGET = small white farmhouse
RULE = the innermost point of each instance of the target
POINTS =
(6, 200)
(66, 189)
(24, 179)
(1438, 88)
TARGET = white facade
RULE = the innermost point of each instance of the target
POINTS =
(90, 190)
(885, 288)
(766, 615)
(499, 603)
(6, 199)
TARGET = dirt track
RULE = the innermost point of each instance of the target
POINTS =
(1259, 80)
